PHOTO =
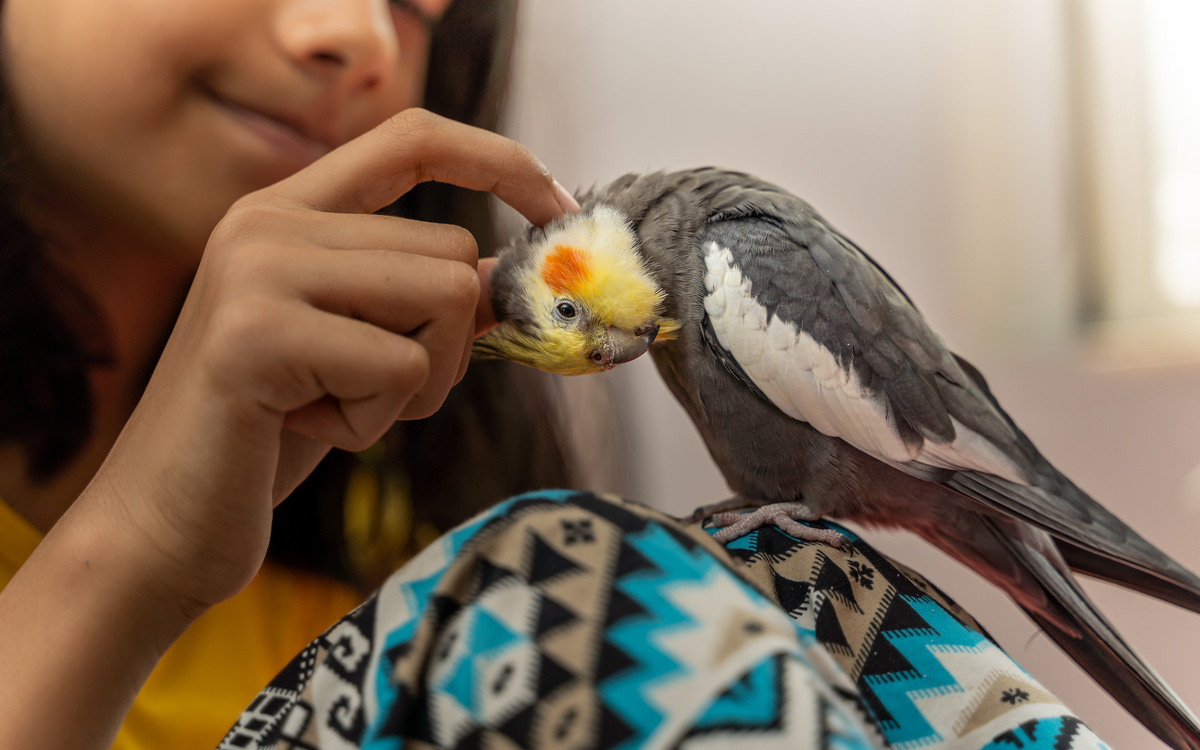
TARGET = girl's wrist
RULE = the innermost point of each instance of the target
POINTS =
(114, 553)
(82, 624)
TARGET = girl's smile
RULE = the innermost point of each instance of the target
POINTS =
(230, 97)
(295, 140)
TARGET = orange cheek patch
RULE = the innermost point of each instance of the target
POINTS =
(565, 269)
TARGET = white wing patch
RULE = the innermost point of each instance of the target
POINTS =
(804, 380)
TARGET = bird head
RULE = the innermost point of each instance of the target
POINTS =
(575, 298)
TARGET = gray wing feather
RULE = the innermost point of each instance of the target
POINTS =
(1093, 540)
(804, 272)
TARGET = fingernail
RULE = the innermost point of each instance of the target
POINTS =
(565, 200)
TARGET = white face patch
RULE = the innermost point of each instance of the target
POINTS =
(804, 380)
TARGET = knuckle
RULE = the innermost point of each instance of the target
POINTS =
(246, 266)
(241, 218)
(249, 218)
(410, 367)
(461, 242)
(522, 155)
(359, 438)
(240, 335)
(418, 117)
(461, 284)
(413, 125)
(414, 369)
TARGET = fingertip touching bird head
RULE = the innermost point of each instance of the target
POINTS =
(577, 299)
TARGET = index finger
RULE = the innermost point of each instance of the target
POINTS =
(417, 146)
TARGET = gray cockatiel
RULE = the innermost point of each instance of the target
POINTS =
(816, 383)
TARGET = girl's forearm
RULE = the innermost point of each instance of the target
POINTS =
(82, 624)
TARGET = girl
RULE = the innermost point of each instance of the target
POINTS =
(132, 131)
(239, 150)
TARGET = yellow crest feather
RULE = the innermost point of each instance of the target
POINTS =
(597, 259)
(591, 260)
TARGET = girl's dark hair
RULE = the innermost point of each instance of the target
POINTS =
(495, 436)
(50, 333)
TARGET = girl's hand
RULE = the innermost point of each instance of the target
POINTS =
(311, 323)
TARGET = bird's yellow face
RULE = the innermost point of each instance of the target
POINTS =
(585, 303)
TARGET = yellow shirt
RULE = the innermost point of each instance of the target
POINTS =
(217, 667)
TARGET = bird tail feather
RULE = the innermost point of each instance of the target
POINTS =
(1091, 563)
(1098, 648)
(1097, 544)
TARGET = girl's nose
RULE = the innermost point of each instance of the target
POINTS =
(350, 41)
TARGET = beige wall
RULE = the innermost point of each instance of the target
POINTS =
(935, 133)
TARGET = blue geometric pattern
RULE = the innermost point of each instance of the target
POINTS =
(907, 727)
(562, 619)
(752, 701)
(639, 636)
(415, 582)
(486, 639)
(1052, 733)
(924, 672)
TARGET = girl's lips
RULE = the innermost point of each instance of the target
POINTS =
(282, 136)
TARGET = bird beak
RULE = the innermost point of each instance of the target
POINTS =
(621, 346)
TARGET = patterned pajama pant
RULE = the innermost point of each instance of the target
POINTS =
(568, 620)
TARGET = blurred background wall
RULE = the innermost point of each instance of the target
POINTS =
(953, 142)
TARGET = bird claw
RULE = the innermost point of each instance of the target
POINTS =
(725, 507)
(781, 515)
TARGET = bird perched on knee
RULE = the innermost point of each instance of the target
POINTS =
(820, 390)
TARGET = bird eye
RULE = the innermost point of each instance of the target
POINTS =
(566, 310)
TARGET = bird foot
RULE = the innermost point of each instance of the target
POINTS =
(782, 515)
(724, 507)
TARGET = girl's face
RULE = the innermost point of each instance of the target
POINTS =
(155, 115)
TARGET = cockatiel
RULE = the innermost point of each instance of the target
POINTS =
(815, 382)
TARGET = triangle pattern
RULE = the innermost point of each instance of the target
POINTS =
(901, 617)
(545, 562)
(627, 521)
(518, 726)
(829, 630)
(777, 546)
(473, 741)
(551, 676)
(793, 596)
(490, 574)
(885, 661)
(754, 701)
(459, 683)
(551, 616)
(612, 661)
(488, 633)
(620, 606)
(630, 561)
(612, 730)
(834, 581)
